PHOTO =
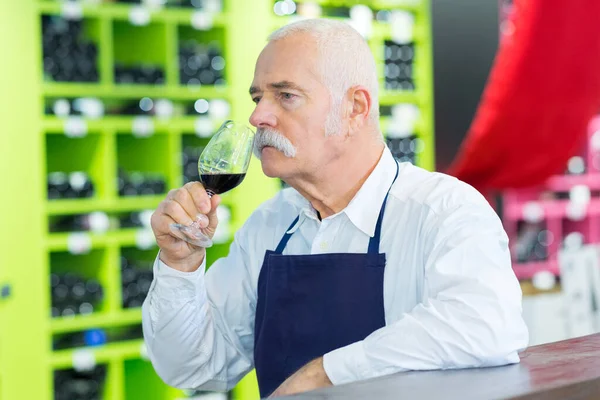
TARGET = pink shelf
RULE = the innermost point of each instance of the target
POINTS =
(555, 217)
(526, 271)
(553, 209)
(563, 183)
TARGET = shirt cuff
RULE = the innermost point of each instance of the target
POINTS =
(346, 364)
(174, 284)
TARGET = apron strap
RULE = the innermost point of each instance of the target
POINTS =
(286, 237)
(374, 241)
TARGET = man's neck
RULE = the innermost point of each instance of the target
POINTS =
(340, 181)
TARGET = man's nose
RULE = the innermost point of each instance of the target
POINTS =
(263, 115)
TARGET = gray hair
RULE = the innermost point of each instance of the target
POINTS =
(345, 60)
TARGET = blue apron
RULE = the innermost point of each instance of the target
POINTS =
(309, 305)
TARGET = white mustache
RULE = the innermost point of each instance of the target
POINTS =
(270, 137)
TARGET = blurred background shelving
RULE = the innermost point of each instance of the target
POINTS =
(119, 99)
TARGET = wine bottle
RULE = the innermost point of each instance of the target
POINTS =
(398, 70)
(140, 183)
(403, 149)
(201, 64)
(67, 56)
(71, 294)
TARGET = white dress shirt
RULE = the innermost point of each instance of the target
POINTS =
(451, 298)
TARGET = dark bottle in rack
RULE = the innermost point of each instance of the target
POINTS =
(139, 74)
(200, 64)
(85, 385)
(399, 62)
(404, 149)
(145, 106)
(532, 242)
(136, 278)
(94, 222)
(189, 158)
(208, 5)
(73, 294)
(137, 219)
(140, 184)
(67, 56)
(62, 185)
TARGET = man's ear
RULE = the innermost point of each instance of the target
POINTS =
(359, 107)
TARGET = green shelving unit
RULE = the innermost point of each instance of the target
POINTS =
(34, 144)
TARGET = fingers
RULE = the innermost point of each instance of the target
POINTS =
(186, 206)
(192, 198)
(161, 222)
(174, 212)
(199, 196)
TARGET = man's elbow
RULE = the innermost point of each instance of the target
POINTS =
(190, 379)
(503, 343)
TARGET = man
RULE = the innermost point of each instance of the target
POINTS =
(364, 267)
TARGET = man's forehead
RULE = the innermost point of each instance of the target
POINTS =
(284, 67)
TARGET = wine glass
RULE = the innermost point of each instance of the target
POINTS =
(222, 166)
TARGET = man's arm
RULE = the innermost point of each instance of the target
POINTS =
(471, 310)
(309, 377)
(199, 328)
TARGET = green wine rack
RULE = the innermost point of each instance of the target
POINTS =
(34, 143)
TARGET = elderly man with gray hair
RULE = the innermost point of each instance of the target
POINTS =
(363, 267)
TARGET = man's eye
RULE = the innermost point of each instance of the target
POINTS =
(256, 100)
(287, 96)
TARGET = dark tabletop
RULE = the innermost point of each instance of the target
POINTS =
(569, 369)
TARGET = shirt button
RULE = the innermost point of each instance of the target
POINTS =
(324, 245)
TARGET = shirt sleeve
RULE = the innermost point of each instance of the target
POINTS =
(198, 327)
(470, 314)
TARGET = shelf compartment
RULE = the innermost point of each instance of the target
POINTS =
(139, 53)
(142, 383)
(79, 283)
(69, 155)
(201, 59)
(71, 49)
(89, 384)
(144, 165)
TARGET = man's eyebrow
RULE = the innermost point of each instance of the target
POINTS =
(278, 85)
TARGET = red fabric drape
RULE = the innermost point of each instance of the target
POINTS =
(543, 90)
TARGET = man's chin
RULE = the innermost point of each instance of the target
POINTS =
(269, 168)
(270, 159)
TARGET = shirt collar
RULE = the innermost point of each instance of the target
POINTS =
(363, 209)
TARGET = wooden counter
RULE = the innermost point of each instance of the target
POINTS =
(568, 369)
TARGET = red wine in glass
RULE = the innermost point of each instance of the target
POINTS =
(222, 166)
(221, 183)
